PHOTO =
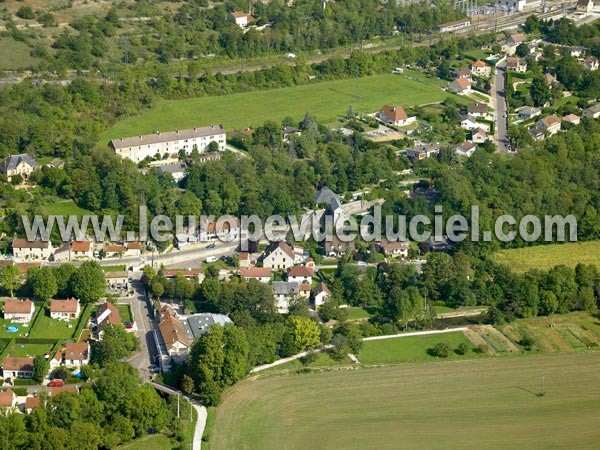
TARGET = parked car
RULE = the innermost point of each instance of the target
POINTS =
(56, 383)
(213, 245)
(211, 259)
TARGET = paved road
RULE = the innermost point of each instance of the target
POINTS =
(142, 312)
(501, 134)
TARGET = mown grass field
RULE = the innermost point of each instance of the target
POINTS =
(326, 101)
(485, 403)
(545, 257)
(412, 348)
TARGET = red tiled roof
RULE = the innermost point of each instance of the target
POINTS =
(300, 271)
(54, 391)
(69, 306)
(77, 351)
(32, 402)
(17, 306)
(6, 398)
(255, 272)
(81, 246)
(14, 363)
(463, 83)
(394, 113)
(24, 243)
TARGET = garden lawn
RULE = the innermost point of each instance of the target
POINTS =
(325, 100)
(469, 404)
(125, 313)
(412, 348)
(48, 328)
(545, 257)
(22, 350)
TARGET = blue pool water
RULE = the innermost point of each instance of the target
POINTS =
(12, 329)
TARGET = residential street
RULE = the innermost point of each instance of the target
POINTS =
(501, 134)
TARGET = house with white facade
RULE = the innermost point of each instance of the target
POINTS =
(262, 274)
(27, 250)
(13, 367)
(518, 65)
(479, 135)
(528, 112)
(585, 6)
(19, 311)
(283, 293)
(593, 112)
(423, 150)
(320, 294)
(300, 274)
(76, 354)
(572, 119)
(460, 86)
(14, 165)
(8, 399)
(169, 143)
(117, 280)
(464, 149)
(590, 63)
(393, 248)
(177, 170)
(395, 115)
(510, 47)
(549, 124)
(241, 19)
(279, 255)
(480, 69)
(65, 309)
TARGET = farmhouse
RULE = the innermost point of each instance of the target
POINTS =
(74, 250)
(290, 132)
(394, 115)
(65, 309)
(241, 19)
(133, 249)
(279, 255)
(550, 124)
(334, 248)
(117, 280)
(173, 333)
(24, 249)
(177, 171)
(8, 399)
(460, 86)
(76, 354)
(464, 149)
(22, 165)
(393, 248)
(593, 112)
(262, 274)
(453, 26)
(300, 274)
(480, 68)
(17, 367)
(518, 65)
(20, 311)
(168, 143)
(423, 150)
(320, 294)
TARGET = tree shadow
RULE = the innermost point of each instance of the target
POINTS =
(529, 391)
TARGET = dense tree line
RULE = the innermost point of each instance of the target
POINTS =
(112, 409)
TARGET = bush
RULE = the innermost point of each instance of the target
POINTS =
(20, 391)
(482, 348)
(310, 358)
(441, 350)
(462, 348)
(527, 341)
(25, 12)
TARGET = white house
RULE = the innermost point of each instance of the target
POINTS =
(24, 249)
(106, 314)
(114, 250)
(177, 170)
(20, 311)
(65, 309)
(248, 260)
(550, 124)
(528, 112)
(23, 165)
(133, 249)
(479, 135)
(262, 274)
(74, 250)
(470, 122)
(223, 230)
(117, 280)
(511, 5)
(460, 86)
(477, 110)
(423, 151)
(17, 367)
(241, 19)
(573, 119)
(464, 149)
(176, 339)
(394, 115)
(300, 274)
(76, 354)
(480, 68)
(320, 294)
(577, 51)
(394, 248)
(279, 255)
(169, 143)
(590, 63)
(510, 47)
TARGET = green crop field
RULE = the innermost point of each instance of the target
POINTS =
(412, 348)
(483, 403)
(544, 257)
(326, 101)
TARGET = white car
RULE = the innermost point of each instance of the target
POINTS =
(211, 259)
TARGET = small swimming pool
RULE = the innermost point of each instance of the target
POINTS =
(12, 329)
